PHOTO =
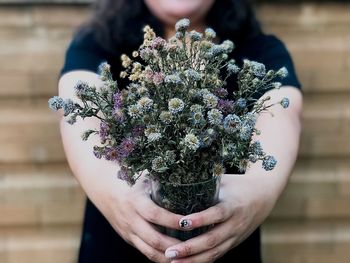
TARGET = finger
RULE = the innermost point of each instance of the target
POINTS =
(210, 255)
(156, 214)
(213, 215)
(209, 240)
(152, 254)
(152, 237)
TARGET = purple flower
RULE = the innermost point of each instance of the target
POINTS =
(119, 115)
(158, 78)
(158, 43)
(117, 98)
(126, 147)
(124, 175)
(226, 106)
(111, 154)
(104, 131)
(97, 152)
(138, 131)
(146, 53)
(221, 92)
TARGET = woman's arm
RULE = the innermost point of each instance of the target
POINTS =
(129, 210)
(247, 200)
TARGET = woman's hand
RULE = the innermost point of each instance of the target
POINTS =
(247, 200)
(243, 206)
(131, 212)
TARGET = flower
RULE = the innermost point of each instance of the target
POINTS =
(104, 131)
(159, 165)
(175, 105)
(221, 92)
(228, 45)
(152, 133)
(258, 69)
(285, 103)
(158, 43)
(241, 103)
(218, 169)
(117, 99)
(126, 61)
(158, 78)
(137, 131)
(282, 72)
(215, 117)
(191, 141)
(197, 118)
(81, 88)
(134, 111)
(256, 148)
(146, 54)
(232, 68)
(226, 106)
(173, 79)
(104, 70)
(210, 33)
(166, 117)
(269, 163)
(182, 25)
(193, 75)
(145, 104)
(154, 136)
(126, 147)
(210, 100)
(195, 36)
(231, 123)
(111, 154)
(124, 175)
(56, 103)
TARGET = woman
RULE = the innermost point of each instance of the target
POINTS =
(118, 219)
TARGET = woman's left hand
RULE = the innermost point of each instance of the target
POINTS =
(244, 204)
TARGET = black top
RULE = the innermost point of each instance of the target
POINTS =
(100, 243)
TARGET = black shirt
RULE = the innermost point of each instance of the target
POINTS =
(100, 242)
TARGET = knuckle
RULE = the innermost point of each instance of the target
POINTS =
(152, 255)
(152, 213)
(187, 249)
(156, 243)
(211, 240)
(219, 213)
(215, 254)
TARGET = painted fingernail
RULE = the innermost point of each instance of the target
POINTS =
(185, 223)
(171, 253)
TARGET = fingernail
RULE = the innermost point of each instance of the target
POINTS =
(171, 253)
(185, 223)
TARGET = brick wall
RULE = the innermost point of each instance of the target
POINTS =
(41, 205)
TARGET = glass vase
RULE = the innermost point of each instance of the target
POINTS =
(185, 199)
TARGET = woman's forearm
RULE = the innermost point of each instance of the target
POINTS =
(279, 137)
(94, 175)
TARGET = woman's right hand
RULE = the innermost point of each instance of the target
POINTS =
(132, 214)
(129, 210)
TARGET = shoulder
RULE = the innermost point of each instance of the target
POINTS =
(83, 53)
(262, 47)
(271, 51)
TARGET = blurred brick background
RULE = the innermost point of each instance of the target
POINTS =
(41, 204)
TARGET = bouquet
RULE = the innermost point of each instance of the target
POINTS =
(175, 119)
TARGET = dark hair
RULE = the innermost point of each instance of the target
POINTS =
(117, 24)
